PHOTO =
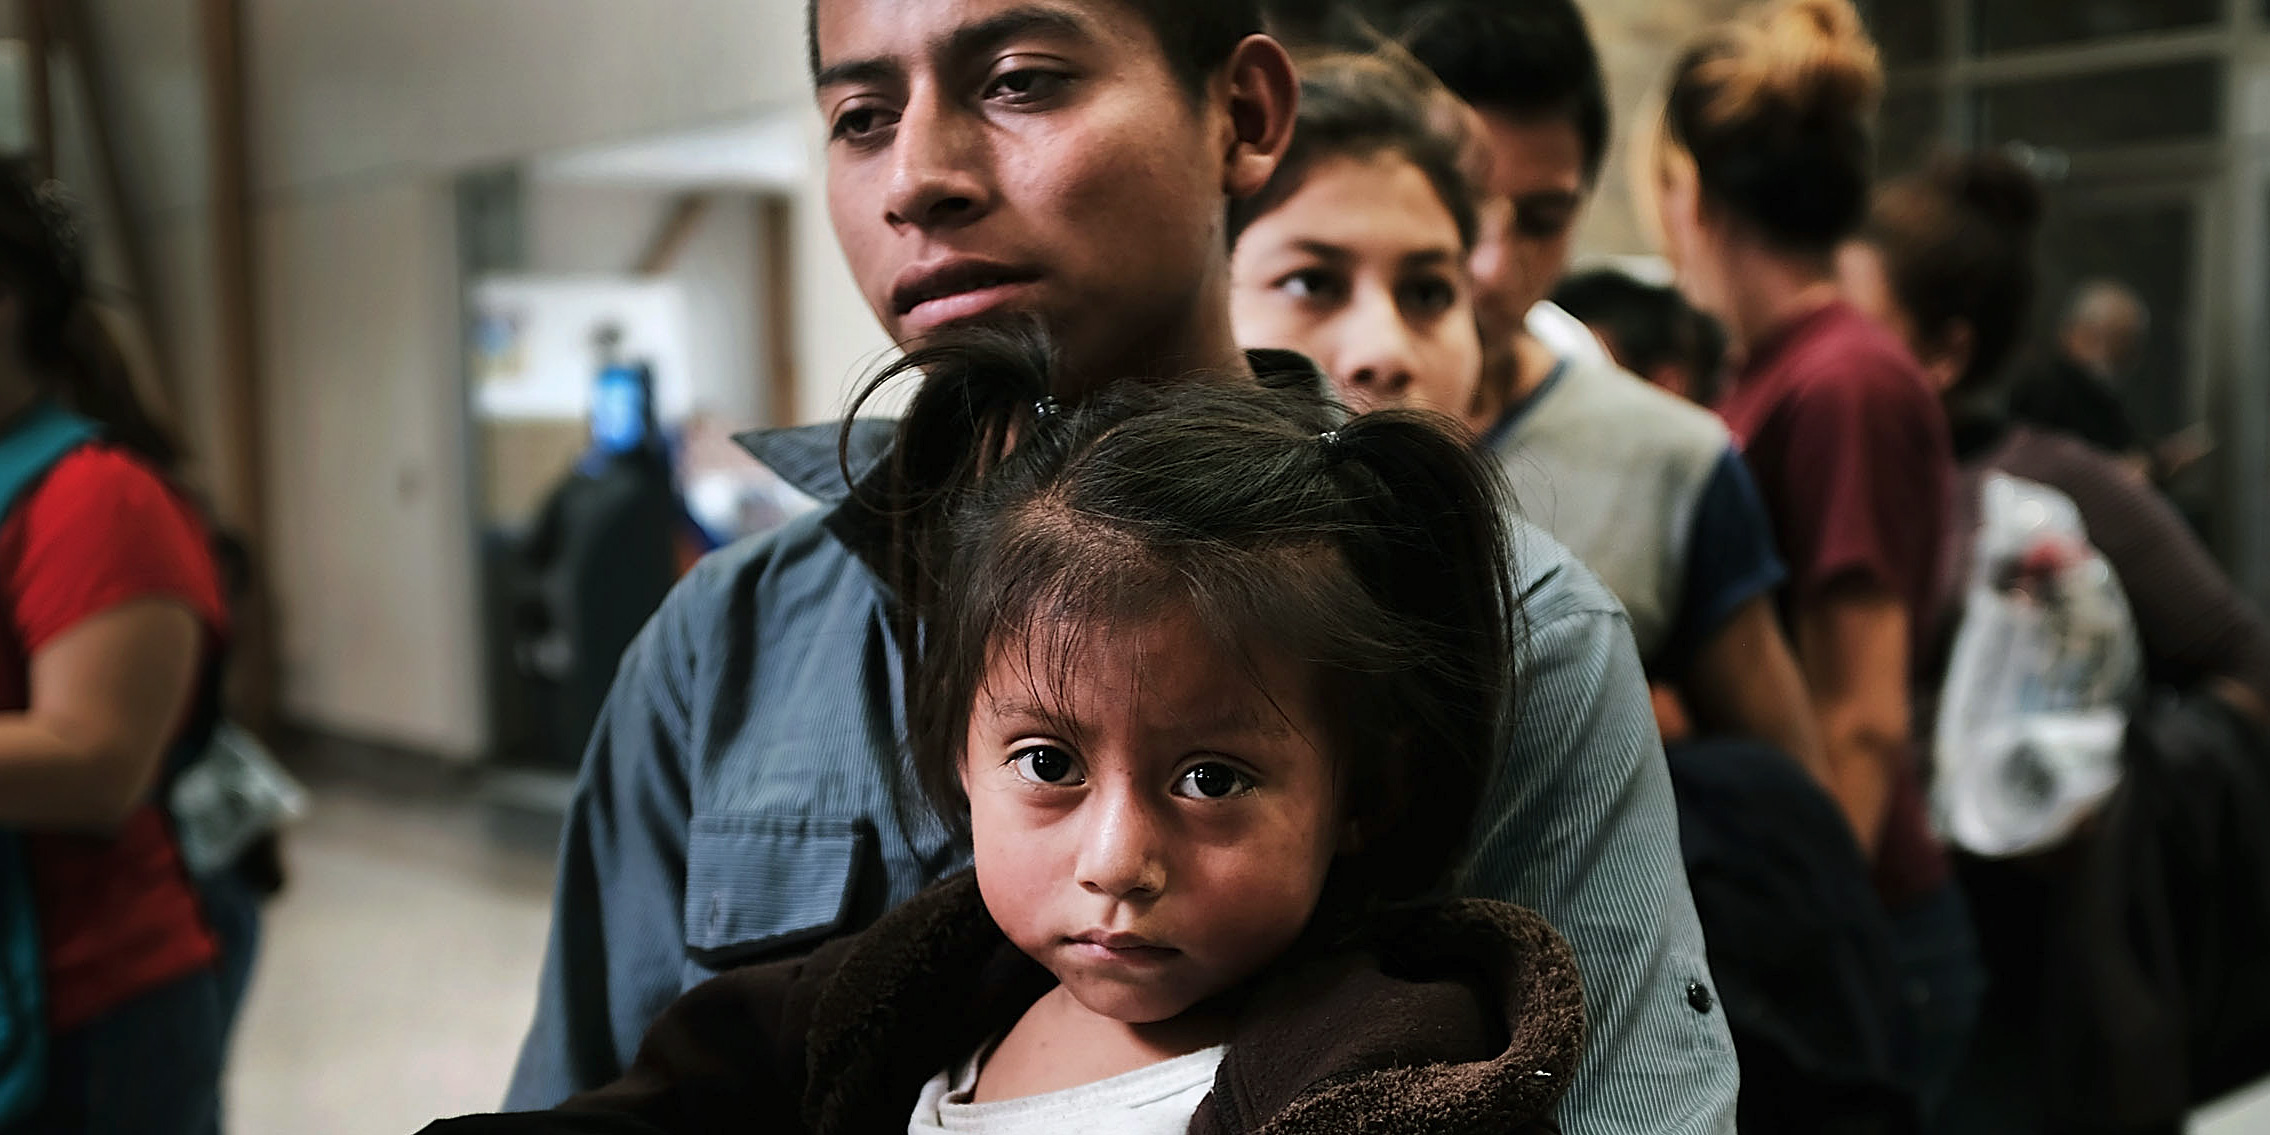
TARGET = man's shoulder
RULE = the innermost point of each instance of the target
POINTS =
(1599, 390)
(1552, 583)
(779, 574)
(1850, 360)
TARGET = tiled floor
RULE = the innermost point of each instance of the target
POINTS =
(400, 969)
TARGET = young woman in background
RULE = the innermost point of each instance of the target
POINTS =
(1763, 170)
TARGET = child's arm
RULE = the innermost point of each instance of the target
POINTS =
(727, 1055)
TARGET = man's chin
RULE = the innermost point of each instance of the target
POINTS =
(1004, 320)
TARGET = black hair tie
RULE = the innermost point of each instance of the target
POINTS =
(1046, 408)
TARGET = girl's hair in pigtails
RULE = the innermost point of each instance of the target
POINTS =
(1370, 551)
(980, 393)
(1431, 547)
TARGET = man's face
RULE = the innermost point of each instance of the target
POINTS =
(1533, 192)
(988, 158)
(2124, 342)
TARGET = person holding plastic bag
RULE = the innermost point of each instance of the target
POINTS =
(2087, 848)
(112, 1008)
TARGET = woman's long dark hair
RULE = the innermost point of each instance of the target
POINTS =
(1372, 549)
(59, 331)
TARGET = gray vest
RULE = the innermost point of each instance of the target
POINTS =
(1613, 468)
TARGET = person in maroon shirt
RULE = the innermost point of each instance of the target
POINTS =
(1946, 261)
(1762, 170)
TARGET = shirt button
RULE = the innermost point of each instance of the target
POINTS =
(1698, 997)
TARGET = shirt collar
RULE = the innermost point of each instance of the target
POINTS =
(1768, 351)
(1511, 419)
(816, 459)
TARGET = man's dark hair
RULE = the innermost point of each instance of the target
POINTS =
(1649, 325)
(1643, 320)
(1360, 107)
(1526, 59)
(1196, 35)
(1372, 550)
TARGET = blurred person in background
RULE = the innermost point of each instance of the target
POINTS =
(2099, 342)
(743, 797)
(109, 672)
(1947, 260)
(1761, 171)
(2080, 389)
(600, 556)
(1647, 490)
(1650, 330)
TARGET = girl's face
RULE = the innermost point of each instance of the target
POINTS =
(1362, 270)
(1151, 823)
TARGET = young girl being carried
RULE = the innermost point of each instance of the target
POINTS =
(1214, 675)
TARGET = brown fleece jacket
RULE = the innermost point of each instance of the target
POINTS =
(1465, 1017)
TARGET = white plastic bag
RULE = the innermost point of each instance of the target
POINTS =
(2039, 689)
(233, 794)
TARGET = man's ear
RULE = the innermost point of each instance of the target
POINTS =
(1261, 91)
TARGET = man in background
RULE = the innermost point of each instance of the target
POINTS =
(2099, 342)
(1650, 330)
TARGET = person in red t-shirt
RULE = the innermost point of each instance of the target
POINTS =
(1763, 169)
(113, 621)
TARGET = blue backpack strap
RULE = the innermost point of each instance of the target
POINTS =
(27, 453)
(47, 435)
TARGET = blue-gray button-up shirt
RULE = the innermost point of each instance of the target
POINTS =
(743, 798)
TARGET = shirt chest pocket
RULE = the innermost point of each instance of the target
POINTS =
(762, 884)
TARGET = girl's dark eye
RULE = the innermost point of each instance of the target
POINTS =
(1312, 284)
(1027, 85)
(1044, 764)
(1212, 781)
(1429, 297)
(857, 124)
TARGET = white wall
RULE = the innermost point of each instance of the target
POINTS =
(575, 228)
(360, 306)
(838, 343)
(364, 112)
